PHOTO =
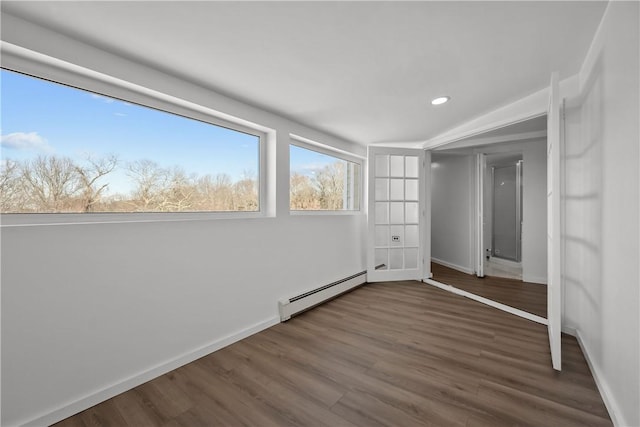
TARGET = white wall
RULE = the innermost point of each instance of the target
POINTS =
(601, 276)
(452, 237)
(90, 310)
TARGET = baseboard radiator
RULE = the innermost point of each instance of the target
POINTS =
(292, 306)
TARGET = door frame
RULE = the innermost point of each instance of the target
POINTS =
(555, 223)
(481, 164)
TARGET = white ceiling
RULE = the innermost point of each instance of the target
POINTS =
(364, 71)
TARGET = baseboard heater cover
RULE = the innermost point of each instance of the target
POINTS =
(292, 306)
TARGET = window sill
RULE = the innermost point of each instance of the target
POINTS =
(327, 212)
(49, 219)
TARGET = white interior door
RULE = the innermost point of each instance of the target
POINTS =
(396, 214)
(554, 262)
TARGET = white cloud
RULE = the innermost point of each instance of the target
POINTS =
(102, 98)
(25, 141)
(310, 168)
(120, 114)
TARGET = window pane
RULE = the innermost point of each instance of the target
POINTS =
(381, 256)
(397, 190)
(382, 165)
(382, 235)
(411, 235)
(397, 166)
(411, 167)
(69, 150)
(396, 215)
(319, 181)
(411, 258)
(382, 213)
(412, 213)
(382, 189)
(395, 259)
(411, 192)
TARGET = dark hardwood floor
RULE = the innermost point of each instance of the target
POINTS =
(385, 354)
(529, 297)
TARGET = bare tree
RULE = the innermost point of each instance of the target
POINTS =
(89, 176)
(11, 189)
(329, 182)
(246, 192)
(57, 184)
(302, 192)
(150, 180)
(216, 193)
(50, 183)
(179, 193)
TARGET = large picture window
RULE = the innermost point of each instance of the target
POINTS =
(321, 182)
(67, 150)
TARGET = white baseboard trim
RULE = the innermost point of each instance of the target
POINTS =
(607, 397)
(504, 262)
(539, 280)
(483, 300)
(79, 405)
(454, 266)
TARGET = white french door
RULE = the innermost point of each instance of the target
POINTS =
(396, 234)
(554, 261)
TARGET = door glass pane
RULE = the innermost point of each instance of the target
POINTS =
(397, 190)
(411, 235)
(395, 259)
(397, 213)
(382, 258)
(411, 189)
(397, 166)
(411, 258)
(382, 213)
(382, 189)
(397, 235)
(382, 235)
(411, 167)
(382, 165)
(411, 213)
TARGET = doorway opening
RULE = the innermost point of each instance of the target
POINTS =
(489, 217)
(502, 215)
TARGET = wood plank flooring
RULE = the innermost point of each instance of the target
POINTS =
(529, 297)
(385, 354)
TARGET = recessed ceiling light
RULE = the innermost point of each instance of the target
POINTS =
(440, 100)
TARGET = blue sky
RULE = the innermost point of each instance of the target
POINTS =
(43, 118)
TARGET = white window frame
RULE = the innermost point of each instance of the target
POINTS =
(25, 61)
(308, 144)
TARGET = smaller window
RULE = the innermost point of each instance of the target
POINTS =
(321, 182)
